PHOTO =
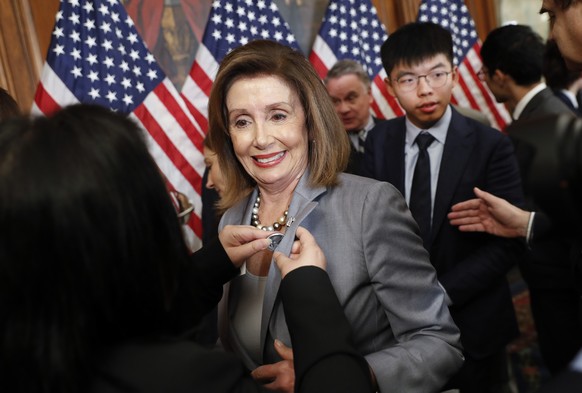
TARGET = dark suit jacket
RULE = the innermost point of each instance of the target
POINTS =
(543, 103)
(356, 158)
(325, 358)
(470, 266)
(547, 264)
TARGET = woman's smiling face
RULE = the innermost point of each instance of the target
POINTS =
(267, 128)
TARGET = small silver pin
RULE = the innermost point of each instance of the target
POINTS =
(290, 221)
(275, 240)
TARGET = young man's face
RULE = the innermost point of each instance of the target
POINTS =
(566, 30)
(424, 104)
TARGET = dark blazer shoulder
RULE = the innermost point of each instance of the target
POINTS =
(544, 103)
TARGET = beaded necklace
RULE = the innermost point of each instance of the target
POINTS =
(277, 225)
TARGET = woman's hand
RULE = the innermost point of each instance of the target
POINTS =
(305, 252)
(242, 241)
(488, 213)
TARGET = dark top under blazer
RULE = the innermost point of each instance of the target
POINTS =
(471, 267)
(325, 358)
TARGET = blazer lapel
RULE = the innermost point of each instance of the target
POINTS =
(457, 152)
(302, 203)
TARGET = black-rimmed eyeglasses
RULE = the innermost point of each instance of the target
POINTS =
(435, 79)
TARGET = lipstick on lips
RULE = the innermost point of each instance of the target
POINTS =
(268, 160)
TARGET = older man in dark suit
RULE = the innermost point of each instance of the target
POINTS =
(349, 87)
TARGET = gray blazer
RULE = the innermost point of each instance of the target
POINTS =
(381, 274)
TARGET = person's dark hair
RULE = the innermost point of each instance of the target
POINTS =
(515, 50)
(555, 71)
(90, 246)
(564, 3)
(329, 146)
(8, 105)
(414, 43)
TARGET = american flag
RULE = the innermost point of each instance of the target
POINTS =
(231, 23)
(351, 30)
(470, 92)
(96, 56)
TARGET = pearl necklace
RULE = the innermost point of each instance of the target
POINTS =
(277, 225)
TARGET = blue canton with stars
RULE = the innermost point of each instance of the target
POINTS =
(97, 52)
(453, 16)
(352, 30)
(233, 23)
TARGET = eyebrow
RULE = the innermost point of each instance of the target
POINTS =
(430, 70)
(269, 107)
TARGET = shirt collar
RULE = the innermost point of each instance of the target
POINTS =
(438, 130)
(526, 99)
(570, 96)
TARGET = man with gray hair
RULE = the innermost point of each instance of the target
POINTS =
(349, 87)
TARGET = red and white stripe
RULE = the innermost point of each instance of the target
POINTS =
(384, 106)
(196, 88)
(174, 138)
(472, 93)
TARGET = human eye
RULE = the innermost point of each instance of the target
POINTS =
(439, 74)
(407, 80)
(239, 122)
(279, 116)
(352, 98)
(549, 14)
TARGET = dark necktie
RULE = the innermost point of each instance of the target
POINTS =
(420, 197)
(361, 141)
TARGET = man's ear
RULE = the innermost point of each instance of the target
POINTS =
(389, 87)
(455, 75)
(500, 77)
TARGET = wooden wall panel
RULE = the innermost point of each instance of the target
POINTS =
(395, 13)
(43, 14)
(20, 59)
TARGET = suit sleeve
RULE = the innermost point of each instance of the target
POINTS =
(200, 285)
(428, 352)
(490, 262)
(325, 357)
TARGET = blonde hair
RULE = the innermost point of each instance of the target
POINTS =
(329, 147)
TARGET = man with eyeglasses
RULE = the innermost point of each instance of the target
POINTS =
(435, 156)
(513, 56)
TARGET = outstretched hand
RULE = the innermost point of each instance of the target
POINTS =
(488, 213)
(242, 241)
(305, 252)
(278, 376)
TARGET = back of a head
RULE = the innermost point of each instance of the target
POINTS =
(348, 67)
(516, 50)
(414, 43)
(8, 106)
(89, 244)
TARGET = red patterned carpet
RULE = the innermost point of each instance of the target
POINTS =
(526, 366)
